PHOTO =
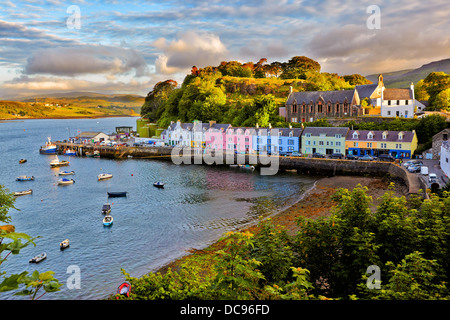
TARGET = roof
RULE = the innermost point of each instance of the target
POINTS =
(296, 132)
(392, 136)
(328, 131)
(89, 134)
(366, 90)
(397, 94)
(220, 126)
(340, 96)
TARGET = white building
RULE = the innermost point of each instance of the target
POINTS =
(400, 103)
(445, 158)
(179, 134)
(92, 137)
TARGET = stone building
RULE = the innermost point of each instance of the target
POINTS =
(438, 138)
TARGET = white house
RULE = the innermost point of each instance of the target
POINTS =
(92, 137)
(400, 103)
(179, 134)
(445, 158)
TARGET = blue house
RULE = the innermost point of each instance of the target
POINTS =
(277, 140)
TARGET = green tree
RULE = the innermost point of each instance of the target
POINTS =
(153, 105)
(356, 79)
(298, 67)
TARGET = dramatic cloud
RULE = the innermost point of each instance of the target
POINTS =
(86, 59)
(191, 49)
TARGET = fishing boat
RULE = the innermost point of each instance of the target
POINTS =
(117, 194)
(38, 258)
(22, 193)
(25, 178)
(124, 289)
(64, 244)
(22, 160)
(64, 181)
(66, 173)
(58, 163)
(95, 154)
(158, 184)
(48, 148)
(70, 152)
(108, 220)
(103, 176)
(106, 209)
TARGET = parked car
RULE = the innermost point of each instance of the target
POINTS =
(295, 154)
(423, 170)
(336, 156)
(386, 157)
(317, 155)
(366, 158)
(413, 168)
(432, 177)
(351, 157)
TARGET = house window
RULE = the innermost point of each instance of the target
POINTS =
(294, 119)
(294, 108)
(389, 102)
(307, 150)
(311, 109)
(369, 144)
(406, 101)
(338, 143)
(303, 108)
(308, 135)
(320, 143)
(370, 136)
(383, 145)
(338, 136)
(337, 107)
(398, 102)
(355, 135)
(308, 142)
(355, 144)
(291, 142)
(388, 113)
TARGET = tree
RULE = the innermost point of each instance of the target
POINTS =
(356, 79)
(298, 67)
(442, 100)
(434, 83)
(152, 108)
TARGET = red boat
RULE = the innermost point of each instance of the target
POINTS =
(124, 289)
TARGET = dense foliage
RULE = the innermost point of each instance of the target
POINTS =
(436, 89)
(407, 241)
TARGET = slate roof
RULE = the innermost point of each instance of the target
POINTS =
(328, 131)
(392, 136)
(296, 132)
(365, 90)
(306, 97)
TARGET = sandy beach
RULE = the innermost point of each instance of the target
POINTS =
(317, 202)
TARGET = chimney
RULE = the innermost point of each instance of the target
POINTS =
(270, 126)
(257, 126)
(211, 123)
(291, 90)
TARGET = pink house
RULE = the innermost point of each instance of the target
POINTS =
(215, 136)
(239, 140)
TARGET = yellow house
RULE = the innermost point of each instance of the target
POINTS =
(399, 144)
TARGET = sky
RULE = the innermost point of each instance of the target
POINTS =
(128, 46)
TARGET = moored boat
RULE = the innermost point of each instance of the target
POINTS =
(66, 173)
(108, 220)
(38, 258)
(58, 163)
(22, 193)
(70, 152)
(64, 181)
(22, 160)
(103, 176)
(106, 209)
(246, 167)
(117, 194)
(48, 148)
(64, 244)
(25, 178)
(158, 184)
(95, 154)
(124, 289)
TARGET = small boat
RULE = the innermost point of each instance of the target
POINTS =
(48, 148)
(108, 220)
(124, 289)
(65, 181)
(58, 163)
(158, 184)
(70, 152)
(38, 258)
(66, 173)
(22, 160)
(25, 178)
(246, 167)
(117, 194)
(106, 209)
(95, 154)
(22, 193)
(103, 176)
(64, 244)
(234, 166)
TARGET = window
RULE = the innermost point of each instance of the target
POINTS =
(406, 101)
(389, 102)
(398, 102)
(320, 143)
(383, 145)
(307, 150)
(355, 135)
(294, 119)
(370, 135)
(308, 142)
(388, 113)
(294, 108)
(355, 144)
(291, 142)
(338, 143)
(311, 109)
(290, 148)
(338, 136)
(369, 144)
(308, 135)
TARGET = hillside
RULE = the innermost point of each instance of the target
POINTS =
(403, 78)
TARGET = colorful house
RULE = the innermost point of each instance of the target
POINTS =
(399, 144)
(323, 140)
(215, 136)
(239, 139)
(277, 140)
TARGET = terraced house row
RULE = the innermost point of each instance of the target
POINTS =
(284, 141)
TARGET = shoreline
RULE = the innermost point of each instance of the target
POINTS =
(313, 203)
(69, 118)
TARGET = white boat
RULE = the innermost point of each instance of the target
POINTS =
(64, 244)
(108, 220)
(58, 163)
(70, 152)
(22, 193)
(65, 181)
(246, 167)
(103, 176)
(38, 258)
(66, 173)
(48, 148)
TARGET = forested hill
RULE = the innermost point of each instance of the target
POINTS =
(241, 94)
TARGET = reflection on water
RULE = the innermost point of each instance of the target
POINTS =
(151, 226)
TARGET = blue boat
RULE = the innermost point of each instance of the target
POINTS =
(108, 221)
(48, 148)
(25, 178)
(117, 194)
(70, 152)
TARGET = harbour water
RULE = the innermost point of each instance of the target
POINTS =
(151, 226)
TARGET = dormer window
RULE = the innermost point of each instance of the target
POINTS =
(400, 136)
(385, 134)
(355, 135)
(370, 135)
(290, 134)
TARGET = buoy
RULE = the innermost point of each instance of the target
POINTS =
(131, 174)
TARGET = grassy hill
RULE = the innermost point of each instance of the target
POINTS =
(403, 78)
(72, 105)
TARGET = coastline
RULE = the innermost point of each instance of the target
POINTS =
(68, 118)
(315, 202)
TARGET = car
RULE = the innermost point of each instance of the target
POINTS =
(413, 168)
(295, 154)
(351, 157)
(386, 157)
(317, 155)
(366, 158)
(432, 177)
(336, 156)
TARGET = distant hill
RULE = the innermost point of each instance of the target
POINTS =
(403, 78)
(125, 98)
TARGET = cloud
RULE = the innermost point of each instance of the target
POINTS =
(192, 48)
(86, 59)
